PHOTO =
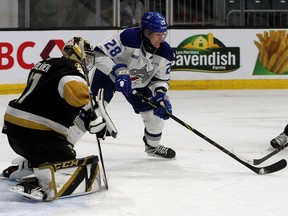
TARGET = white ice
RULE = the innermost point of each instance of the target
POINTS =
(201, 181)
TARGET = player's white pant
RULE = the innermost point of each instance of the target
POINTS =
(153, 127)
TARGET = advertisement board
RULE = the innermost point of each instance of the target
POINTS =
(207, 56)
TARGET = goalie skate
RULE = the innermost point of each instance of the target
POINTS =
(30, 190)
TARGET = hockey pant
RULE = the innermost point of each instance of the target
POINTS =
(153, 124)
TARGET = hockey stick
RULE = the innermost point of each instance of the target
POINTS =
(261, 160)
(259, 170)
(91, 98)
(102, 164)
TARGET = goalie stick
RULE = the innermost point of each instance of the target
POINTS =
(258, 170)
(91, 98)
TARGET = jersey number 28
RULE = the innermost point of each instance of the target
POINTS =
(112, 48)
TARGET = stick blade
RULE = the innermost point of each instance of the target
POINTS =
(271, 168)
(275, 151)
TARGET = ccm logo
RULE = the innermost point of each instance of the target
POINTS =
(7, 61)
(66, 164)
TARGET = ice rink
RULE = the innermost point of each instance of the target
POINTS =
(201, 181)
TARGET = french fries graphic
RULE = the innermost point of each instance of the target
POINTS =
(273, 50)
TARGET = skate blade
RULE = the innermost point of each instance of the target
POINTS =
(20, 191)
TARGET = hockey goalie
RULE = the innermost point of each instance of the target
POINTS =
(47, 120)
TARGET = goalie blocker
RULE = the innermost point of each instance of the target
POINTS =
(57, 180)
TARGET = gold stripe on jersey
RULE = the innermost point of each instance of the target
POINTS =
(74, 90)
(29, 120)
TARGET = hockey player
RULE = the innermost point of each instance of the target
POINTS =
(281, 139)
(139, 58)
(47, 120)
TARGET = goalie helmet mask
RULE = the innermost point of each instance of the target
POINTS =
(79, 49)
(152, 22)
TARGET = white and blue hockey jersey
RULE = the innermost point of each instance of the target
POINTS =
(146, 69)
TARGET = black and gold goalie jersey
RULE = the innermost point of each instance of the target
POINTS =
(55, 92)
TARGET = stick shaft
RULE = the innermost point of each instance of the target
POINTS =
(91, 98)
(269, 169)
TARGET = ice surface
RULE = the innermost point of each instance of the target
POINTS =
(201, 181)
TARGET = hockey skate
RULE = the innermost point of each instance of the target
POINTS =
(280, 140)
(30, 189)
(159, 151)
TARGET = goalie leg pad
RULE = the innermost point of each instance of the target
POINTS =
(69, 178)
(20, 169)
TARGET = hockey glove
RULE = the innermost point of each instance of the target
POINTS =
(94, 123)
(163, 105)
(122, 79)
(86, 121)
